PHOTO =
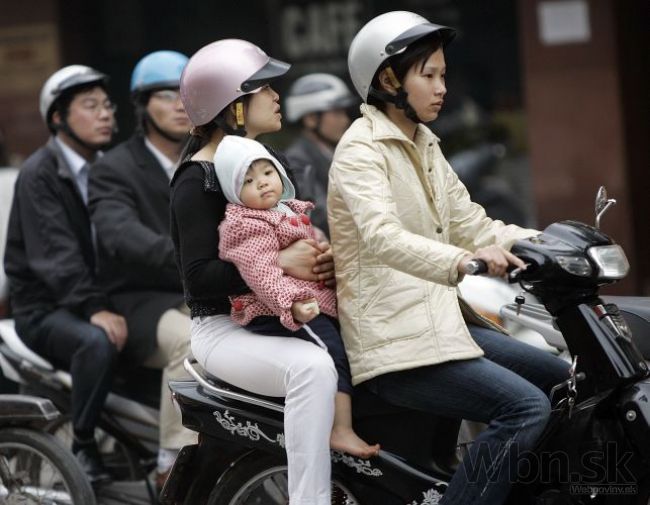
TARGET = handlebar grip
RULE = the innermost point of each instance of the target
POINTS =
(476, 267)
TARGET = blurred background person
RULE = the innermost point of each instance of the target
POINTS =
(60, 310)
(321, 103)
(129, 206)
(8, 176)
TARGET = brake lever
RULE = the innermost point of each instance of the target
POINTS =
(513, 275)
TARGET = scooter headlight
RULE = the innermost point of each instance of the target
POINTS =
(575, 265)
(610, 260)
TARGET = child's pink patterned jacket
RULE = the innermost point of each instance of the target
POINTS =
(251, 239)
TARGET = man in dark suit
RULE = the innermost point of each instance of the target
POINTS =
(60, 310)
(129, 205)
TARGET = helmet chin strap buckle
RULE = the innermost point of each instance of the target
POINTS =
(239, 114)
(240, 122)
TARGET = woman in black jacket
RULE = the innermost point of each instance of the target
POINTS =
(225, 90)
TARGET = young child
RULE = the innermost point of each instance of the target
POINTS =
(262, 218)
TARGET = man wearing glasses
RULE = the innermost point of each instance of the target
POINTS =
(60, 310)
(129, 206)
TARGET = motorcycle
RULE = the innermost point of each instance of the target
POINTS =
(128, 428)
(35, 468)
(594, 450)
(489, 297)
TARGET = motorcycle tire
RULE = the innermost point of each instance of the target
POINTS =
(35, 456)
(262, 478)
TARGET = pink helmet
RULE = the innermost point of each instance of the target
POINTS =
(221, 72)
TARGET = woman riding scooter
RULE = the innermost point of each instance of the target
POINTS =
(403, 229)
(225, 90)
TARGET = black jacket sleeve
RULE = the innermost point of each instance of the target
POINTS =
(122, 233)
(196, 215)
(52, 248)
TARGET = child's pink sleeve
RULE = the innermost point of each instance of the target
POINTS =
(252, 245)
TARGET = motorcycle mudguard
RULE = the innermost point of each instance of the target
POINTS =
(178, 481)
(24, 409)
(197, 468)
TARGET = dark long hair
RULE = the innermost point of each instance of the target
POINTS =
(197, 140)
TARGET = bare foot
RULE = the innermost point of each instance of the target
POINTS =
(346, 440)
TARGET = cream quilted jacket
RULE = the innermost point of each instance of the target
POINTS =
(400, 222)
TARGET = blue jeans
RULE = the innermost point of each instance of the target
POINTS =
(506, 389)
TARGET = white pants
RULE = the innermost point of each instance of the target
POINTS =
(279, 366)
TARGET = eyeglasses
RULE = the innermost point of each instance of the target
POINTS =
(167, 95)
(95, 106)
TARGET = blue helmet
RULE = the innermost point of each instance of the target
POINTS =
(160, 69)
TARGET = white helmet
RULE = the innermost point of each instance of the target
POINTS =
(64, 79)
(385, 36)
(317, 93)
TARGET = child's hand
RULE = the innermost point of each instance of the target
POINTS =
(305, 310)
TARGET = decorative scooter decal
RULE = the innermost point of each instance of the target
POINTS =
(250, 431)
(253, 432)
(431, 497)
(360, 465)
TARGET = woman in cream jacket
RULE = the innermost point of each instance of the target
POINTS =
(403, 228)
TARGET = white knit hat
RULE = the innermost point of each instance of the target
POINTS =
(231, 161)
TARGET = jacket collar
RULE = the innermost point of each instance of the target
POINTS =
(166, 163)
(384, 129)
(147, 161)
(63, 161)
(63, 169)
(74, 160)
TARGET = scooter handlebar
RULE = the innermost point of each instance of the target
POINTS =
(476, 267)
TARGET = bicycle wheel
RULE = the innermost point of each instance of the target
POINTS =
(36, 469)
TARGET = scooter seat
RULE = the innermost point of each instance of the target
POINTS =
(15, 344)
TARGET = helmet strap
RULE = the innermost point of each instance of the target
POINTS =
(65, 128)
(239, 128)
(400, 99)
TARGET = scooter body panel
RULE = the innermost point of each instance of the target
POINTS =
(388, 477)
